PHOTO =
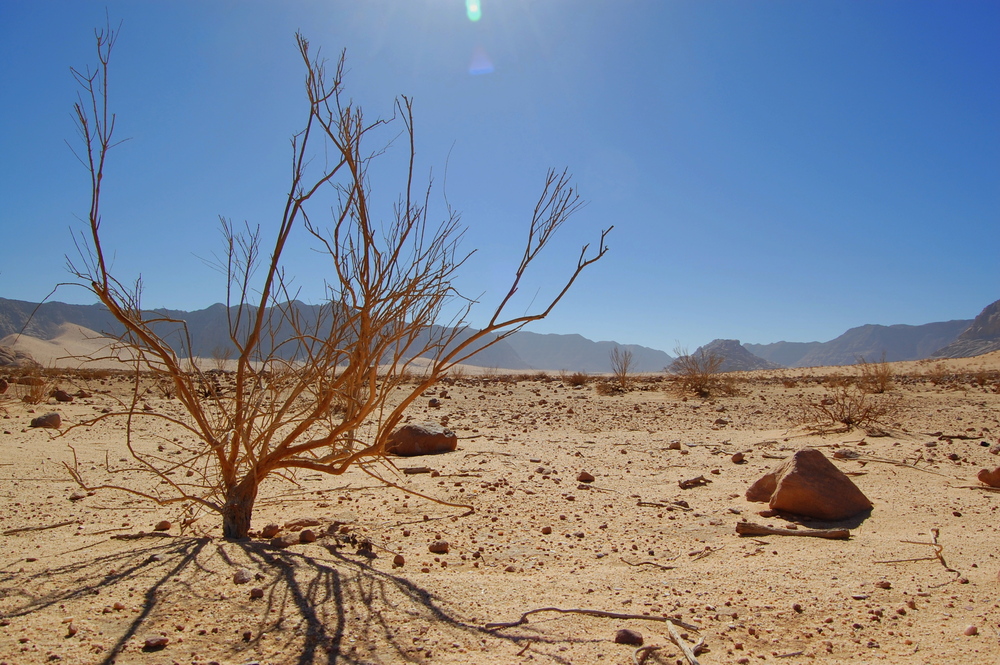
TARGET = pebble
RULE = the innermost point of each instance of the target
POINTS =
(256, 592)
(77, 495)
(971, 630)
(242, 576)
(585, 477)
(546, 530)
(626, 636)
(162, 525)
(154, 642)
(439, 547)
(62, 396)
(398, 560)
(738, 458)
(270, 531)
(307, 536)
(883, 584)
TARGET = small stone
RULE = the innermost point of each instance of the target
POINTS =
(674, 445)
(242, 576)
(270, 531)
(256, 592)
(883, 584)
(546, 530)
(155, 642)
(247, 635)
(738, 458)
(510, 569)
(585, 477)
(62, 396)
(797, 607)
(626, 636)
(971, 630)
(162, 525)
(398, 561)
(307, 536)
(301, 523)
(434, 403)
(439, 547)
(77, 495)
(71, 630)
(51, 420)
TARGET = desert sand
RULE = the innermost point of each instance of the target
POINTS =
(88, 580)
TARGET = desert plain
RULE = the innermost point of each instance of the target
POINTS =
(85, 577)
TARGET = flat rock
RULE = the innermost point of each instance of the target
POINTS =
(626, 636)
(421, 439)
(52, 420)
(809, 484)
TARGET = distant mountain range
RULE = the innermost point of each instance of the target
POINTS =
(209, 335)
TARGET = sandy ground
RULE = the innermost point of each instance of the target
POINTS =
(87, 581)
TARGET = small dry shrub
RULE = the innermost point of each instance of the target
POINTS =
(577, 379)
(851, 406)
(607, 388)
(698, 372)
(875, 377)
(789, 383)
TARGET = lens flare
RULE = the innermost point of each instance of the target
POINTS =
(474, 10)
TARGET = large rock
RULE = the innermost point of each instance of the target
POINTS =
(421, 439)
(991, 478)
(809, 484)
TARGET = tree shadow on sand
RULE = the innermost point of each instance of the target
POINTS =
(318, 604)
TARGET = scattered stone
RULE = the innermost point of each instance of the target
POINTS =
(242, 576)
(301, 523)
(421, 439)
(307, 536)
(991, 478)
(971, 630)
(256, 592)
(52, 420)
(883, 584)
(546, 530)
(3, 386)
(285, 540)
(809, 484)
(738, 458)
(77, 495)
(162, 525)
(439, 547)
(62, 396)
(585, 477)
(434, 403)
(995, 449)
(674, 445)
(398, 561)
(155, 642)
(270, 531)
(626, 636)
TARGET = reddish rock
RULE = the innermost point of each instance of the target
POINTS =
(585, 477)
(256, 592)
(162, 525)
(307, 536)
(626, 636)
(62, 396)
(439, 547)
(52, 420)
(270, 531)
(301, 523)
(398, 561)
(242, 576)
(809, 484)
(155, 642)
(421, 439)
(991, 478)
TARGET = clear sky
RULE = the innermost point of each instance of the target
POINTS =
(774, 170)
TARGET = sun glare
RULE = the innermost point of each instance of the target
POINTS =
(474, 10)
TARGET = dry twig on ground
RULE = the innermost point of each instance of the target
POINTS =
(753, 529)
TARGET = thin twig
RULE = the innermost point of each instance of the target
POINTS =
(647, 563)
(9, 532)
(752, 529)
(679, 641)
(594, 613)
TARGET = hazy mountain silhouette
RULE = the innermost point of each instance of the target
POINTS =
(735, 357)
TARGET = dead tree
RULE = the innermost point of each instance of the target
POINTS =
(311, 388)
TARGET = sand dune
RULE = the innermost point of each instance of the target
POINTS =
(74, 347)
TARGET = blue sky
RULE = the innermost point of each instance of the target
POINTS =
(774, 170)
